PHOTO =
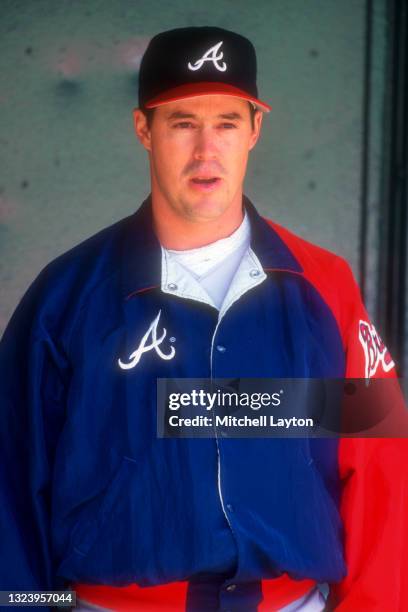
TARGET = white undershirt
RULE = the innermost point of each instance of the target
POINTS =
(214, 265)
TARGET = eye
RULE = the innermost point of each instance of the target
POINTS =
(183, 125)
(228, 126)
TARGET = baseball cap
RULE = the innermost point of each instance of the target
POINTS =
(188, 62)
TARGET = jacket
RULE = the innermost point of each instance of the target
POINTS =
(91, 496)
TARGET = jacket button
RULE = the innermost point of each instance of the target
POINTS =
(231, 587)
(172, 286)
(221, 348)
(230, 508)
(254, 273)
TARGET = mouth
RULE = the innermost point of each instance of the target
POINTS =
(205, 183)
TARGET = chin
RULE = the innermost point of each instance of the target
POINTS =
(206, 206)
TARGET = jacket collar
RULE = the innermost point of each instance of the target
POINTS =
(268, 246)
(141, 252)
(142, 257)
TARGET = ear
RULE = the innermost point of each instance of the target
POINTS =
(257, 129)
(141, 128)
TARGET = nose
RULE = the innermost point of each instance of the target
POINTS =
(205, 145)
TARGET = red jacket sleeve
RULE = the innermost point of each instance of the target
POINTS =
(374, 476)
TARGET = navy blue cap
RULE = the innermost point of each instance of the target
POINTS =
(188, 62)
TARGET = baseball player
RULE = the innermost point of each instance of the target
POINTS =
(194, 284)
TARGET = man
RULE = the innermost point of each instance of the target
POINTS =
(194, 284)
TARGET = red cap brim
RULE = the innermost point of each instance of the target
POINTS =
(192, 90)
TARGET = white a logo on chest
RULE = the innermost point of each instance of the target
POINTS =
(149, 342)
(211, 55)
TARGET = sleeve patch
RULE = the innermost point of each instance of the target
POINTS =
(375, 351)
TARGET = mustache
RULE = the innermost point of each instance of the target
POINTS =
(210, 168)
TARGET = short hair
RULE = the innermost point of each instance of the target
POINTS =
(149, 113)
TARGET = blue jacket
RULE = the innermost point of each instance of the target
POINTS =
(88, 491)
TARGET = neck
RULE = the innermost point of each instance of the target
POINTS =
(177, 232)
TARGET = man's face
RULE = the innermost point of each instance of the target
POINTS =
(198, 151)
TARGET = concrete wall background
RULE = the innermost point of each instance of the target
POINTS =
(70, 163)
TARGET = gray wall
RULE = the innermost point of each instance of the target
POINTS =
(70, 163)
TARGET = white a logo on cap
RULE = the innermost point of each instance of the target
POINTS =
(210, 56)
